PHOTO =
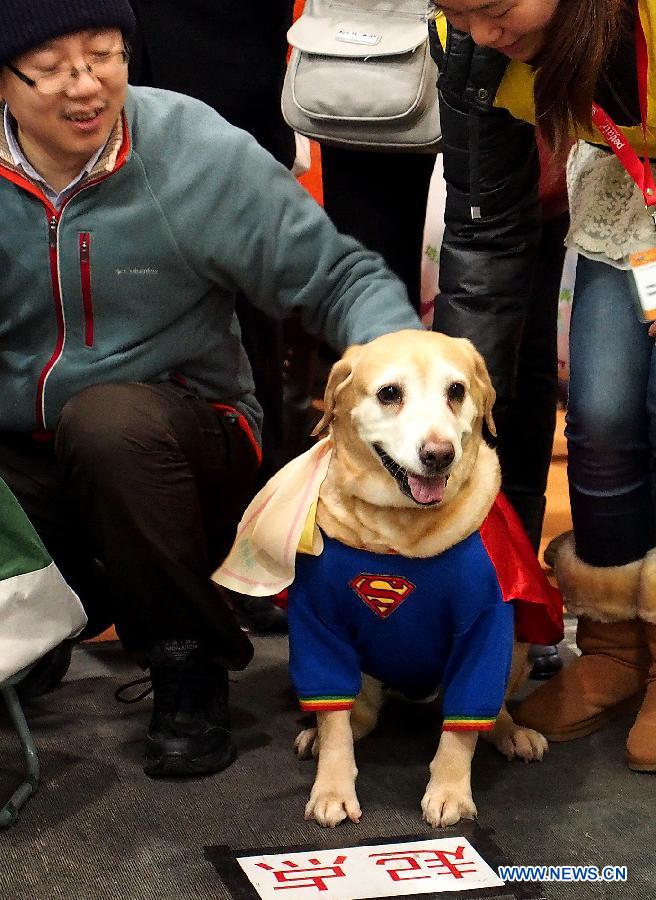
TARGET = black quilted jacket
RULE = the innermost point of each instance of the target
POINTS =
(491, 166)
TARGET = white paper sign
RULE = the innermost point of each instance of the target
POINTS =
(385, 870)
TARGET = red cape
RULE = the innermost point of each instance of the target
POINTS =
(538, 605)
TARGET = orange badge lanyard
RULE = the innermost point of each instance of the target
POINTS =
(638, 169)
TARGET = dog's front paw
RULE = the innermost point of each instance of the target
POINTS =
(330, 805)
(445, 804)
(516, 741)
(306, 744)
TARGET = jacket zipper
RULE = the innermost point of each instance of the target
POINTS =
(53, 224)
(85, 280)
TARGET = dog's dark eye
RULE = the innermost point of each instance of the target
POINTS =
(389, 393)
(456, 392)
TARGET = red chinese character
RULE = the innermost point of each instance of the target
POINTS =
(302, 878)
(415, 863)
(395, 874)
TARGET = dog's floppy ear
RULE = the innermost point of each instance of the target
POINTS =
(484, 386)
(340, 376)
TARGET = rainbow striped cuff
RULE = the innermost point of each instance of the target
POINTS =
(468, 723)
(325, 704)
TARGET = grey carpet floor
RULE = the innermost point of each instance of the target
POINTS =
(98, 829)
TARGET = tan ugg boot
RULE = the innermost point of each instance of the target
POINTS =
(609, 677)
(641, 743)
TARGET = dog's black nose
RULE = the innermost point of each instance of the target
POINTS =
(436, 456)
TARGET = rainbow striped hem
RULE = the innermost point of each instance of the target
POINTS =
(324, 704)
(468, 723)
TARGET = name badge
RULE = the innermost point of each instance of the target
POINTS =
(351, 36)
(643, 267)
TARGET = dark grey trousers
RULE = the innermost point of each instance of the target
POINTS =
(137, 497)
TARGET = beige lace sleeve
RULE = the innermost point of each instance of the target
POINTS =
(608, 219)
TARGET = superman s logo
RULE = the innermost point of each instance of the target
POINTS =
(382, 593)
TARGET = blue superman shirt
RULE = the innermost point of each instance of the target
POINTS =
(414, 624)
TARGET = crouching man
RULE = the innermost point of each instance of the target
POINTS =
(132, 216)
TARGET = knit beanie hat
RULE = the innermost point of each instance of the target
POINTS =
(25, 24)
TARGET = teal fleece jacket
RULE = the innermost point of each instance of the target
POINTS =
(135, 279)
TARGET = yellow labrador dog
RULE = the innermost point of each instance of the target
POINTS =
(409, 474)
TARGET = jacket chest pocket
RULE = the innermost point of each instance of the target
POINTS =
(85, 282)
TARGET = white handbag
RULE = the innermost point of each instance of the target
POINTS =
(361, 75)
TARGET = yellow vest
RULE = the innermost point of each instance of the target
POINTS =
(516, 89)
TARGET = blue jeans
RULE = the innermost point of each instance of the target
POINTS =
(611, 419)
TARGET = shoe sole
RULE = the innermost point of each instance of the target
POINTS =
(544, 673)
(630, 705)
(177, 765)
(641, 767)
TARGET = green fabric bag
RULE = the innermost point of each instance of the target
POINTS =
(38, 610)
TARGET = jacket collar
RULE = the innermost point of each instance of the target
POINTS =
(115, 152)
(469, 74)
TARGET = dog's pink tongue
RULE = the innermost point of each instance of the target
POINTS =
(426, 490)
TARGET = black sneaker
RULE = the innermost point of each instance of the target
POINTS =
(258, 614)
(546, 661)
(189, 732)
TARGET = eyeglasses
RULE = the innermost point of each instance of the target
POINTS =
(99, 65)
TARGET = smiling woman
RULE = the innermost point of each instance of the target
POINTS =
(589, 61)
(565, 42)
(515, 27)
